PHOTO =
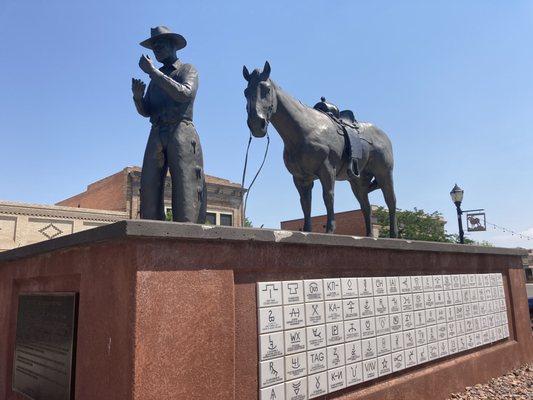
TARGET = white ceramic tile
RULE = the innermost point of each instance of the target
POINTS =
(488, 293)
(448, 298)
(421, 336)
(467, 311)
(442, 331)
(276, 392)
(395, 305)
(317, 385)
(432, 334)
(406, 301)
(456, 281)
(443, 348)
(393, 285)
(446, 282)
(408, 339)
(461, 343)
(459, 312)
(408, 321)
(439, 298)
(369, 348)
(479, 280)
(429, 299)
(433, 351)
(332, 289)
(457, 297)
(466, 295)
(410, 357)
(336, 379)
(428, 283)
(471, 280)
(334, 333)
(417, 284)
(381, 305)
(422, 354)
(431, 316)
(353, 352)
(293, 292)
(296, 389)
(485, 337)
(492, 335)
(294, 316)
(405, 284)
(395, 322)
(316, 336)
(469, 326)
(352, 330)
(350, 308)
(384, 365)
(366, 307)
(418, 301)
(420, 318)
(380, 286)
(451, 331)
(486, 280)
(460, 327)
(368, 327)
(271, 345)
(481, 294)
(314, 290)
(495, 294)
(396, 341)
(333, 311)
(314, 313)
(470, 341)
(295, 366)
(475, 309)
(464, 280)
(477, 338)
(441, 314)
(269, 294)
(505, 331)
(317, 361)
(382, 325)
(473, 295)
(354, 374)
(271, 372)
(295, 341)
(370, 369)
(437, 282)
(365, 287)
(398, 361)
(335, 356)
(270, 319)
(383, 345)
(450, 314)
(349, 288)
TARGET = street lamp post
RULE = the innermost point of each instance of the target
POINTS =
(457, 197)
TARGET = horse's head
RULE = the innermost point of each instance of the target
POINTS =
(260, 99)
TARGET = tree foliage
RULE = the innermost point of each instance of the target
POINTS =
(247, 223)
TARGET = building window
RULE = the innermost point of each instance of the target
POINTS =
(226, 219)
(211, 218)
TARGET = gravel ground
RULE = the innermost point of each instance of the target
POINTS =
(516, 385)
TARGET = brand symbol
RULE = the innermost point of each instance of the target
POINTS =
(367, 325)
(317, 382)
(315, 309)
(379, 283)
(273, 395)
(351, 305)
(295, 337)
(293, 288)
(296, 387)
(313, 287)
(349, 283)
(271, 317)
(352, 329)
(272, 369)
(317, 357)
(317, 333)
(271, 345)
(354, 370)
(334, 330)
(295, 312)
(371, 366)
(295, 363)
(384, 364)
(336, 376)
(333, 307)
(270, 288)
(331, 286)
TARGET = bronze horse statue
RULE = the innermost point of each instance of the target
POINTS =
(314, 149)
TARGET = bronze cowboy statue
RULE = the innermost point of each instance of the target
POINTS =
(173, 143)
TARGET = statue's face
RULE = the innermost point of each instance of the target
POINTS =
(163, 49)
(260, 100)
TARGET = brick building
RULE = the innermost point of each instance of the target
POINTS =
(108, 200)
(121, 192)
(348, 223)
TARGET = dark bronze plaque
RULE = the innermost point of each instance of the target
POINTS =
(45, 346)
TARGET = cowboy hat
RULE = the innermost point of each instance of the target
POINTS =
(160, 32)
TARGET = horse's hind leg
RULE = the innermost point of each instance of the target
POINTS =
(327, 179)
(305, 189)
(386, 183)
(360, 190)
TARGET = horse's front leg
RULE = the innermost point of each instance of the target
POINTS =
(305, 189)
(327, 179)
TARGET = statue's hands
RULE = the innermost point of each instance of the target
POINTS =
(146, 64)
(137, 87)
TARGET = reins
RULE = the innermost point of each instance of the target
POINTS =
(257, 173)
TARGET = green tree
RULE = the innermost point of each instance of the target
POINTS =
(247, 223)
(419, 225)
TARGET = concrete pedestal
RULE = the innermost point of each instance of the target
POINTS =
(168, 310)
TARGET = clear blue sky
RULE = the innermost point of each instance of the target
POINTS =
(451, 82)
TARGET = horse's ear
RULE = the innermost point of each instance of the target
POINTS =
(265, 74)
(245, 73)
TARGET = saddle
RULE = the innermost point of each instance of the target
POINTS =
(349, 128)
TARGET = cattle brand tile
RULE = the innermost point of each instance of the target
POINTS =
(368, 327)
(409, 339)
(353, 352)
(295, 341)
(422, 354)
(352, 330)
(349, 288)
(379, 286)
(398, 361)
(271, 345)
(417, 284)
(296, 389)
(335, 356)
(317, 361)
(393, 285)
(295, 366)
(271, 372)
(382, 325)
(395, 322)
(293, 292)
(332, 289)
(334, 311)
(366, 307)
(294, 316)
(336, 379)
(317, 385)
(354, 373)
(273, 392)
(395, 305)
(269, 294)
(314, 313)
(396, 341)
(381, 306)
(369, 348)
(270, 319)
(316, 336)
(410, 357)
(313, 290)
(405, 284)
(383, 345)
(335, 333)
(384, 365)
(365, 287)
(370, 369)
